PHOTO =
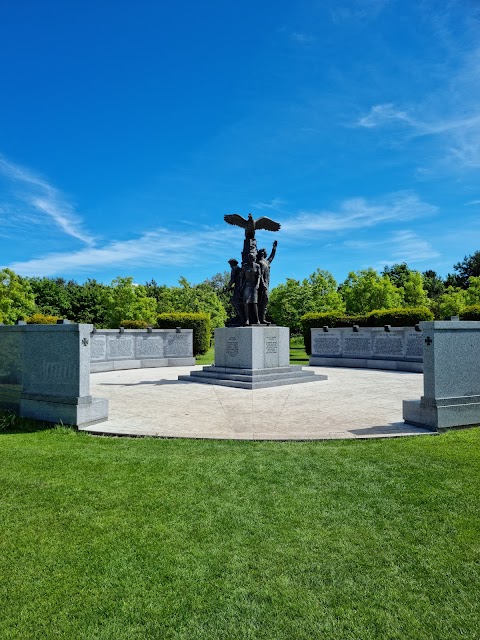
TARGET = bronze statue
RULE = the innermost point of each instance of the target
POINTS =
(237, 296)
(250, 225)
(251, 275)
(263, 291)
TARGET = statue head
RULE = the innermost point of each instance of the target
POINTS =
(262, 253)
(232, 262)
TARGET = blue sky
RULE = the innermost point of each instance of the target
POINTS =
(128, 130)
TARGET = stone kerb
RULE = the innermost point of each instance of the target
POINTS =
(451, 377)
(45, 373)
(394, 348)
(114, 349)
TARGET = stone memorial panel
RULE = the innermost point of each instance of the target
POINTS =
(231, 348)
(149, 347)
(326, 344)
(388, 345)
(414, 344)
(119, 347)
(98, 347)
(357, 345)
(178, 345)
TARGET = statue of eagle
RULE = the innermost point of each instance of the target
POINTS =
(250, 225)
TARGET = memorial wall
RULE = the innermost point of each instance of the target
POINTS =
(397, 348)
(113, 349)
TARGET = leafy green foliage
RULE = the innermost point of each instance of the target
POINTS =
(452, 302)
(40, 318)
(199, 322)
(366, 290)
(433, 284)
(290, 301)
(127, 301)
(188, 298)
(16, 297)
(470, 266)
(134, 324)
(471, 312)
(402, 317)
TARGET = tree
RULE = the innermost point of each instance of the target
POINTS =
(219, 283)
(190, 298)
(52, 296)
(452, 302)
(398, 273)
(470, 266)
(16, 297)
(88, 302)
(415, 294)
(290, 301)
(433, 284)
(472, 294)
(128, 301)
(366, 290)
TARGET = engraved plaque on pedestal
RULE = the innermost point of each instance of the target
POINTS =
(357, 345)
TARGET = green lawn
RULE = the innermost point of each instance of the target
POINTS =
(124, 539)
(297, 353)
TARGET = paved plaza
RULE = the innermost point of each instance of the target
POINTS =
(352, 403)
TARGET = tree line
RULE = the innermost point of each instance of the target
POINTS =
(362, 291)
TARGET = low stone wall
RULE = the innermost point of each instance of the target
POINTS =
(45, 373)
(396, 348)
(113, 349)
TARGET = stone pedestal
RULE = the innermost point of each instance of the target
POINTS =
(252, 358)
(45, 373)
(451, 358)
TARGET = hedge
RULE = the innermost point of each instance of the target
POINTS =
(40, 318)
(472, 312)
(404, 317)
(135, 324)
(199, 322)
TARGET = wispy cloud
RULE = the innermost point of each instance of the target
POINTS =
(42, 199)
(472, 203)
(401, 246)
(275, 204)
(301, 38)
(358, 10)
(150, 249)
(357, 213)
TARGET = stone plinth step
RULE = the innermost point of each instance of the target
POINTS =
(252, 378)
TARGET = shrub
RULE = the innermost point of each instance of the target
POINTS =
(135, 324)
(407, 317)
(199, 322)
(378, 318)
(40, 318)
(471, 312)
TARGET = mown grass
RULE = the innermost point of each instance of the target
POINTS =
(108, 538)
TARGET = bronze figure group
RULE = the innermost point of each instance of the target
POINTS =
(250, 282)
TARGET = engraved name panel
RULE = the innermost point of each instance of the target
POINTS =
(98, 347)
(414, 344)
(326, 345)
(271, 344)
(388, 346)
(232, 347)
(178, 345)
(149, 347)
(120, 347)
(357, 346)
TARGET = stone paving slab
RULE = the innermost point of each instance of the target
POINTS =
(352, 403)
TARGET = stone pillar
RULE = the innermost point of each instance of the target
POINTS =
(49, 368)
(451, 360)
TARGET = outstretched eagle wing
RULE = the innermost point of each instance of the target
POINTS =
(234, 218)
(267, 223)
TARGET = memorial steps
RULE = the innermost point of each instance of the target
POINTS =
(252, 378)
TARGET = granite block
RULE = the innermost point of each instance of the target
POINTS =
(72, 414)
(256, 347)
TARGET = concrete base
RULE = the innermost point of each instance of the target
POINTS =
(85, 413)
(252, 378)
(442, 414)
(151, 363)
(364, 363)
